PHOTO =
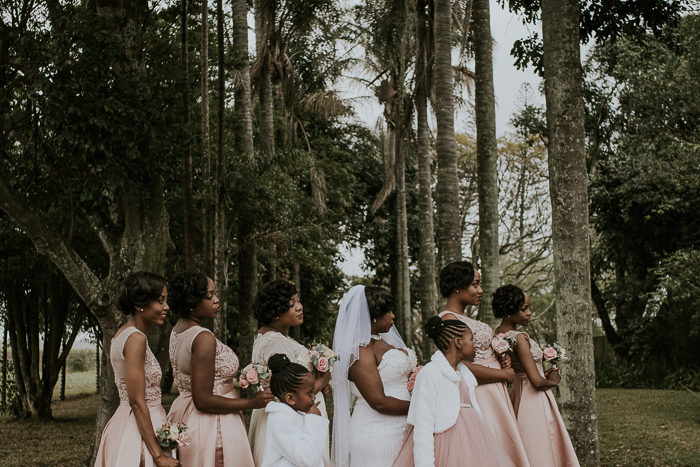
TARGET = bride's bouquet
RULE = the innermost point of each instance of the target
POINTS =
(254, 375)
(412, 378)
(502, 343)
(554, 353)
(323, 357)
(173, 436)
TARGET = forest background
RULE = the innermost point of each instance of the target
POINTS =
(157, 136)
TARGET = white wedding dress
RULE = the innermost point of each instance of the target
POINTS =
(376, 439)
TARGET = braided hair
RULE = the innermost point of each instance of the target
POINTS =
(444, 332)
(286, 375)
(456, 275)
(379, 301)
(507, 300)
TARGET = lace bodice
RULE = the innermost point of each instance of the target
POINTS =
(272, 342)
(394, 370)
(535, 351)
(482, 333)
(225, 362)
(152, 369)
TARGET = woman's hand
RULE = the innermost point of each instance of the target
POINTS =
(261, 399)
(165, 461)
(553, 375)
(326, 391)
(504, 361)
(508, 375)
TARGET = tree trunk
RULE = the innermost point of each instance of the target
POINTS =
(247, 254)
(487, 158)
(220, 241)
(4, 366)
(403, 300)
(263, 17)
(447, 192)
(570, 237)
(427, 281)
(207, 234)
(187, 190)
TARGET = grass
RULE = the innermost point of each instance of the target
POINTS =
(637, 427)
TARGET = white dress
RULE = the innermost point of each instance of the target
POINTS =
(264, 346)
(376, 439)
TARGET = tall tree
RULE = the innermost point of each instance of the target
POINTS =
(487, 157)
(247, 254)
(187, 189)
(427, 280)
(207, 198)
(447, 190)
(264, 26)
(563, 85)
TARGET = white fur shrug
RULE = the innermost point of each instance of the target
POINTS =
(294, 439)
(435, 404)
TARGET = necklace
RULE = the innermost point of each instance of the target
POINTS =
(376, 337)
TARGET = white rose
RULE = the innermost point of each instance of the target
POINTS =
(174, 433)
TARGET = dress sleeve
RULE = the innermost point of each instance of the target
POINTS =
(275, 345)
(302, 448)
(424, 408)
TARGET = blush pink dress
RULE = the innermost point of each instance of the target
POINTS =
(121, 443)
(541, 427)
(468, 443)
(494, 401)
(218, 440)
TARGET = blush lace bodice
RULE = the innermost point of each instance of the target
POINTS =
(152, 369)
(225, 363)
(535, 351)
(272, 342)
(482, 333)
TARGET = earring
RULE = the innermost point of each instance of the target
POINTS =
(141, 309)
(457, 291)
(374, 320)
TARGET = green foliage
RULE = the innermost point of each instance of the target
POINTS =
(611, 373)
(80, 360)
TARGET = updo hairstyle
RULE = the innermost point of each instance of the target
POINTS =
(507, 300)
(286, 376)
(457, 275)
(186, 291)
(138, 289)
(444, 332)
(273, 299)
(379, 300)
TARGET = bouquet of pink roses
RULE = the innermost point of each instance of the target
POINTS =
(173, 436)
(323, 357)
(554, 353)
(412, 378)
(254, 375)
(502, 343)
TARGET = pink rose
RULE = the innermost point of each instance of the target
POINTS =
(184, 439)
(550, 353)
(500, 346)
(243, 383)
(313, 353)
(323, 364)
(411, 383)
(252, 376)
(501, 335)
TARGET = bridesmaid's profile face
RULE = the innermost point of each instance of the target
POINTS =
(471, 294)
(157, 310)
(294, 316)
(209, 306)
(522, 317)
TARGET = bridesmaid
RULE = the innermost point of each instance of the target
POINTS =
(460, 283)
(541, 426)
(204, 369)
(277, 308)
(129, 438)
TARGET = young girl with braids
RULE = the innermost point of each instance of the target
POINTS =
(448, 428)
(296, 431)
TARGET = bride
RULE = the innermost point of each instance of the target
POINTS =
(374, 367)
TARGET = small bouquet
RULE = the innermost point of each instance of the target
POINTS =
(173, 436)
(502, 343)
(253, 375)
(412, 378)
(323, 357)
(554, 353)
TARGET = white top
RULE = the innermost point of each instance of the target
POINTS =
(294, 439)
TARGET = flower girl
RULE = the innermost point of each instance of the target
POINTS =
(296, 431)
(448, 429)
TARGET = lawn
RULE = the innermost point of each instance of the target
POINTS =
(642, 428)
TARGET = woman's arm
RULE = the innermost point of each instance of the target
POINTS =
(522, 350)
(365, 375)
(486, 375)
(203, 368)
(135, 378)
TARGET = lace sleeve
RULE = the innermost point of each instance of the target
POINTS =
(269, 344)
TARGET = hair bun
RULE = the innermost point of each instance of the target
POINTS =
(278, 362)
(433, 327)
